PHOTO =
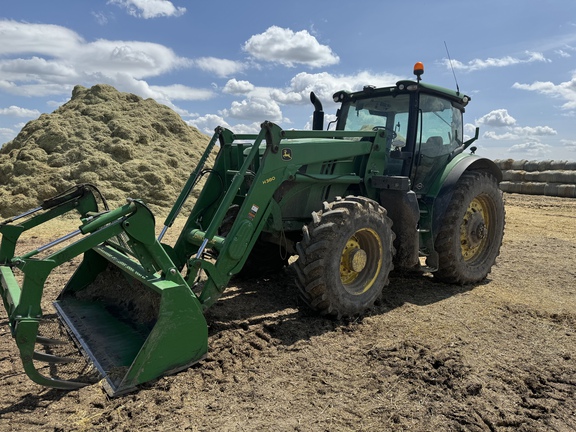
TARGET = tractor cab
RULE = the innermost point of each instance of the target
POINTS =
(423, 123)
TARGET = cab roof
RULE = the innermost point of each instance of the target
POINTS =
(404, 86)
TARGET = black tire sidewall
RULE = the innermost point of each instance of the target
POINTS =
(327, 241)
(452, 265)
(333, 280)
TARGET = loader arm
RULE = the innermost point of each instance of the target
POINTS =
(249, 175)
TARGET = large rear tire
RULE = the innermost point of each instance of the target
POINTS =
(472, 230)
(345, 257)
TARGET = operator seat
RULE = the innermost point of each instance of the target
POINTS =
(434, 146)
(430, 153)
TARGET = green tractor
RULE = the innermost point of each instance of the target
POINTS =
(390, 187)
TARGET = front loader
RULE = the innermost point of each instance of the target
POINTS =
(390, 187)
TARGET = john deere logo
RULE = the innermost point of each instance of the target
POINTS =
(286, 154)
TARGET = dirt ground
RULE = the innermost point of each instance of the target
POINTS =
(499, 356)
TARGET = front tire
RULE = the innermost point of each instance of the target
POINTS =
(345, 256)
(472, 230)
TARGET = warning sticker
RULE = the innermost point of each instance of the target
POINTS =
(253, 210)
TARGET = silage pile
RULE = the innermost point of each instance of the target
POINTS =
(125, 145)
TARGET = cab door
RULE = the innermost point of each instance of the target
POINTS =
(439, 132)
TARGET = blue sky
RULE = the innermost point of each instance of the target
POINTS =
(237, 64)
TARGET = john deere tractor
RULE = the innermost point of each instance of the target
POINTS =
(390, 186)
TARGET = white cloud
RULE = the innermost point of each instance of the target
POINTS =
(533, 131)
(565, 90)
(101, 18)
(506, 128)
(250, 128)
(325, 85)
(140, 59)
(499, 137)
(497, 118)
(283, 46)
(521, 132)
(535, 57)
(570, 145)
(35, 90)
(6, 135)
(479, 64)
(208, 123)
(532, 149)
(220, 67)
(264, 103)
(149, 8)
(161, 94)
(61, 59)
(37, 69)
(182, 92)
(255, 109)
(19, 112)
(234, 86)
(47, 39)
(469, 131)
(287, 97)
(564, 50)
(563, 53)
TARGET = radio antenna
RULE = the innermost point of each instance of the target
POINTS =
(452, 67)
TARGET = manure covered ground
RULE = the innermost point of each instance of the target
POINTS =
(498, 356)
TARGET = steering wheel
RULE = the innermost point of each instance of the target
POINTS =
(386, 128)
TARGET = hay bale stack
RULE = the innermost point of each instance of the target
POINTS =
(551, 178)
(125, 145)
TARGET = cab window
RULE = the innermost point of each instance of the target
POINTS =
(384, 111)
(440, 125)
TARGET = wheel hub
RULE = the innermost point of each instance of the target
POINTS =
(360, 261)
(357, 260)
(476, 230)
(348, 263)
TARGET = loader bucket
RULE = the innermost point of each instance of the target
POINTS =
(134, 327)
(126, 307)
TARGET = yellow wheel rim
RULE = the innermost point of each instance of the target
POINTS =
(474, 229)
(361, 261)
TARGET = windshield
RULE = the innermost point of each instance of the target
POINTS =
(383, 111)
